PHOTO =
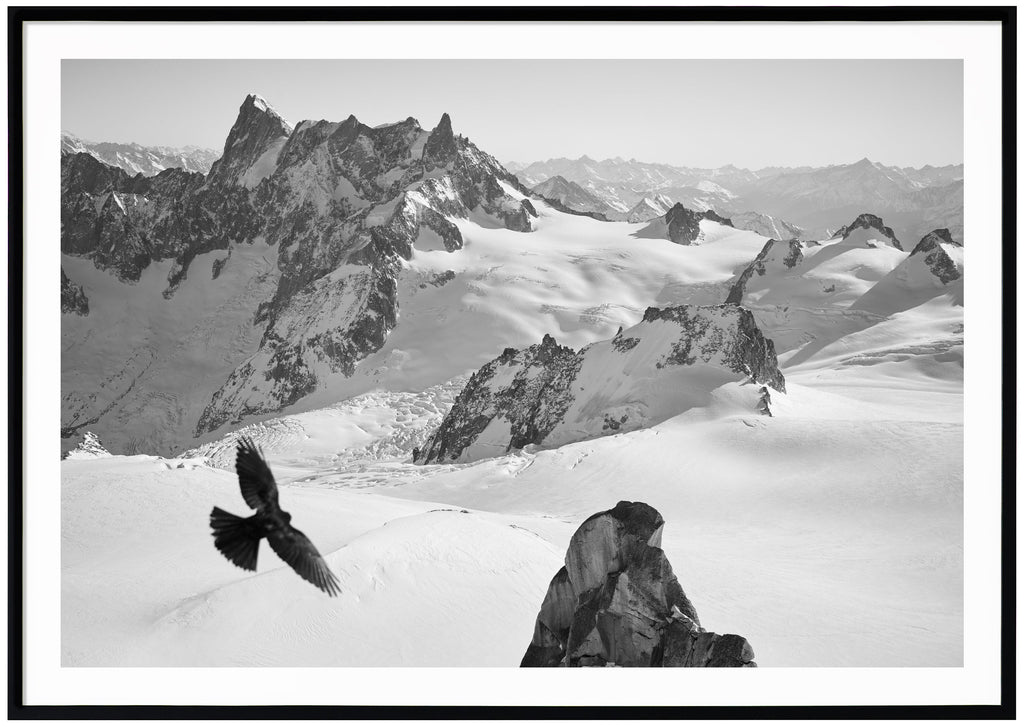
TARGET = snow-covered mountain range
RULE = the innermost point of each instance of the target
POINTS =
(137, 159)
(913, 200)
(293, 244)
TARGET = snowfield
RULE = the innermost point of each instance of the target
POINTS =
(830, 534)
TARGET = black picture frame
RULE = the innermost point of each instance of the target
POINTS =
(1006, 16)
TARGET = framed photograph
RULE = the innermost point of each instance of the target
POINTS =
(405, 351)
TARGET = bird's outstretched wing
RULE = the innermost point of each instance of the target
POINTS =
(296, 550)
(258, 487)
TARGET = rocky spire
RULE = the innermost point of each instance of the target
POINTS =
(257, 127)
(440, 146)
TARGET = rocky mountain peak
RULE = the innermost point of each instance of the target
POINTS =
(255, 105)
(867, 223)
(646, 209)
(555, 185)
(440, 146)
(570, 197)
(617, 602)
(942, 255)
(257, 128)
(89, 448)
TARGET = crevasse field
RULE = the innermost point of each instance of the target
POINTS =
(828, 535)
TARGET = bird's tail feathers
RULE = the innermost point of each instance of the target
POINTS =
(234, 538)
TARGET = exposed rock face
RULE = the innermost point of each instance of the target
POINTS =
(72, 297)
(722, 335)
(344, 205)
(256, 132)
(530, 388)
(869, 223)
(776, 255)
(124, 223)
(440, 147)
(617, 602)
(549, 394)
(938, 247)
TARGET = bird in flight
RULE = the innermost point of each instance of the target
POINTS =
(238, 538)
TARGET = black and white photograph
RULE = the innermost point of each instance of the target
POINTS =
(536, 377)
(515, 362)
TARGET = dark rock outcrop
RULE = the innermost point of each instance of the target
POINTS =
(936, 258)
(784, 254)
(533, 402)
(681, 225)
(684, 224)
(440, 146)
(72, 297)
(524, 396)
(617, 602)
(764, 403)
(741, 347)
(867, 221)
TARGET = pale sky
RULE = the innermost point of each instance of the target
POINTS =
(683, 112)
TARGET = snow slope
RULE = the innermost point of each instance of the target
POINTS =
(830, 534)
(405, 567)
